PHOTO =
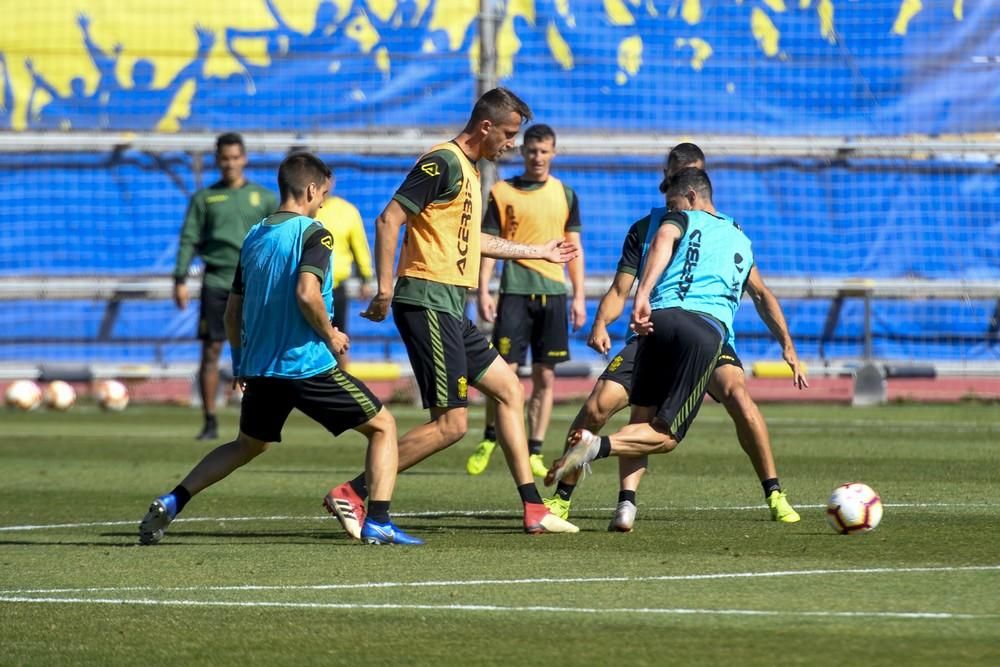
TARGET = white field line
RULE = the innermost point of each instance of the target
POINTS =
(500, 512)
(511, 582)
(908, 615)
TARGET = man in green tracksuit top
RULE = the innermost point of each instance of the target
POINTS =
(218, 217)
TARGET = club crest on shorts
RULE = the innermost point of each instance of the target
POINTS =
(615, 363)
(504, 345)
(463, 387)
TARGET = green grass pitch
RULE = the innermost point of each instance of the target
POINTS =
(256, 573)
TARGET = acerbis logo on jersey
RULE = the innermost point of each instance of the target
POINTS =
(430, 168)
(511, 221)
(690, 264)
(463, 228)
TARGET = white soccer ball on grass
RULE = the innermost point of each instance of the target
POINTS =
(854, 508)
(112, 395)
(23, 395)
(59, 395)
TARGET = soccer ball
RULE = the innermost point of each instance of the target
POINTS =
(23, 395)
(112, 395)
(59, 395)
(854, 508)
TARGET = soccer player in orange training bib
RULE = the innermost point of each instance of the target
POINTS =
(440, 202)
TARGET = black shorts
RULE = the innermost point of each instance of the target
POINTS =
(212, 314)
(622, 365)
(673, 366)
(539, 319)
(341, 304)
(335, 399)
(447, 354)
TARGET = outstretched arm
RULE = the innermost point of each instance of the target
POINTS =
(104, 63)
(206, 39)
(610, 309)
(556, 251)
(273, 9)
(39, 80)
(771, 314)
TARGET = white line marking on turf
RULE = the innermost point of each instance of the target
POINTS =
(514, 582)
(909, 615)
(442, 513)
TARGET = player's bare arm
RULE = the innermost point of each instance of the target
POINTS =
(308, 293)
(484, 298)
(608, 310)
(555, 251)
(387, 226)
(232, 320)
(660, 252)
(771, 314)
(578, 308)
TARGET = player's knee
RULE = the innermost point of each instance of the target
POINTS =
(210, 353)
(543, 377)
(666, 442)
(511, 394)
(383, 422)
(453, 425)
(595, 414)
(252, 447)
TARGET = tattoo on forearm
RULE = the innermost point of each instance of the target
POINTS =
(507, 248)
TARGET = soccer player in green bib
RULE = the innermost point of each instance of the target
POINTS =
(218, 217)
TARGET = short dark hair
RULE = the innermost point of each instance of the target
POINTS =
(679, 157)
(494, 106)
(540, 132)
(297, 171)
(690, 178)
(229, 139)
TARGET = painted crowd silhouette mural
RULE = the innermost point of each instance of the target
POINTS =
(750, 66)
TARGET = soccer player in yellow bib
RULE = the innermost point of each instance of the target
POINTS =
(350, 248)
(533, 207)
(440, 202)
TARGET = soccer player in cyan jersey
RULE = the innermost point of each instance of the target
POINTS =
(440, 202)
(695, 265)
(534, 207)
(727, 384)
(217, 219)
(278, 325)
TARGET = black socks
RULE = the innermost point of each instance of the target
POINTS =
(182, 495)
(490, 433)
(626, 495)
(359, 485)
(605, 450)
(564, 490)
(529, 493)
(378, 511)
(770, 486)
(534, 446)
